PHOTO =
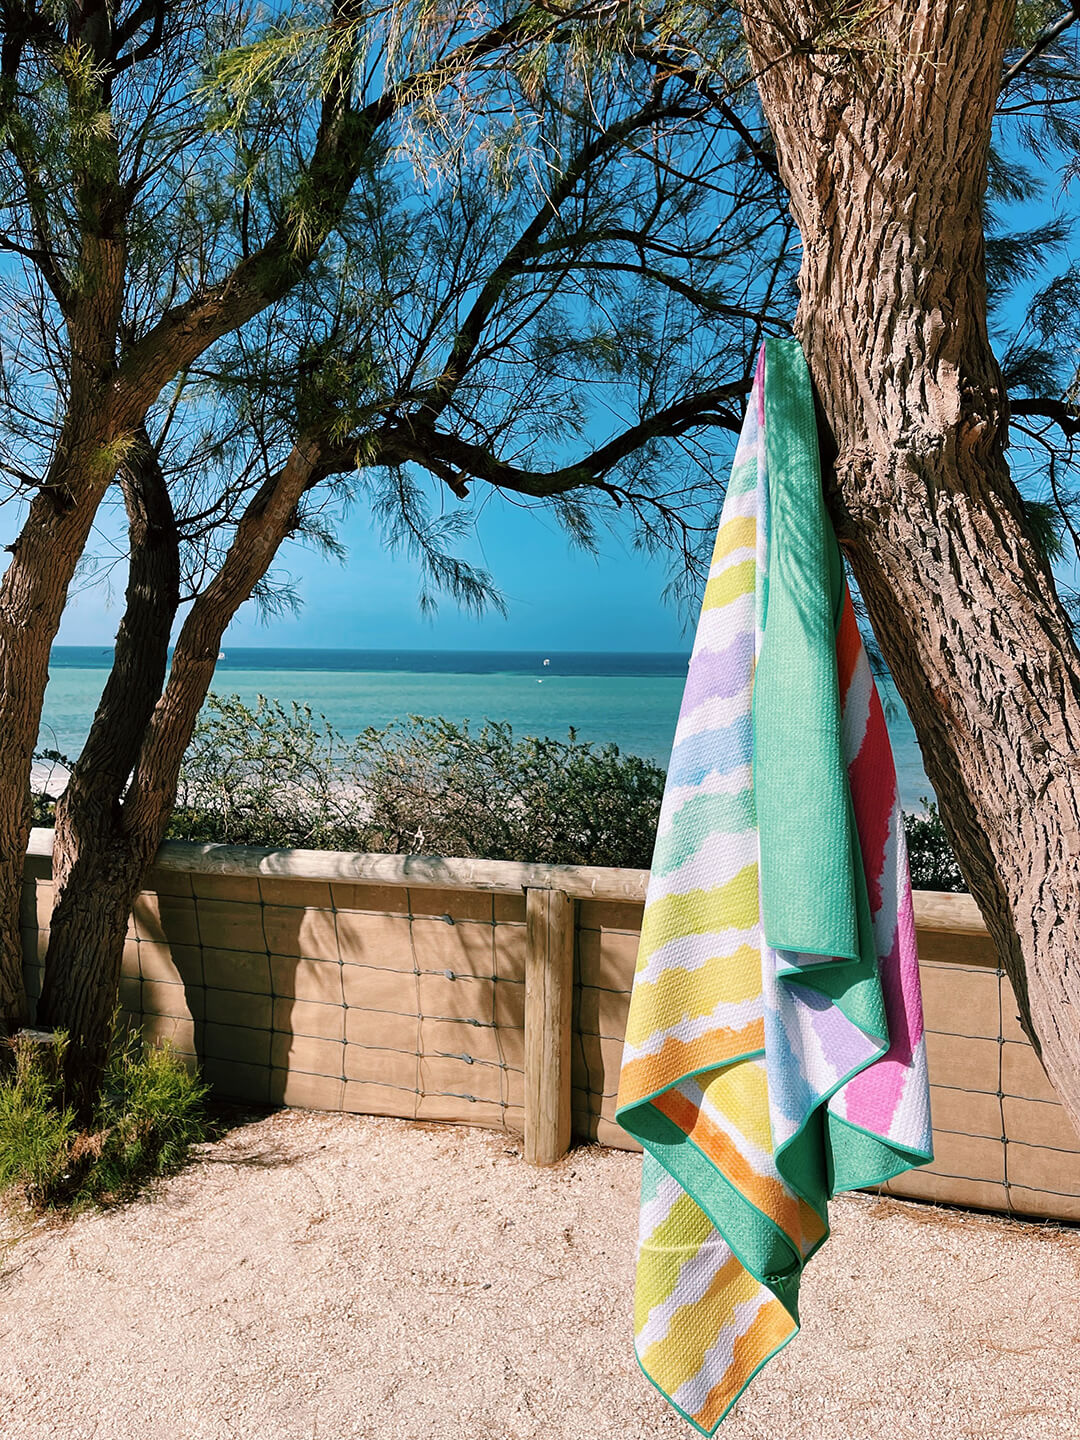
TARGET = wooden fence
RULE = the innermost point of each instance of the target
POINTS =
(494, 993)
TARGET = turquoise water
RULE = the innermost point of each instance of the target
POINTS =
(636, 709)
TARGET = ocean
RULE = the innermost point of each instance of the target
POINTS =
(629, 699)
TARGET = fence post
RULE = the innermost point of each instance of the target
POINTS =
(549, 997)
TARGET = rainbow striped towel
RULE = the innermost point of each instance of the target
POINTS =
(774, 1048)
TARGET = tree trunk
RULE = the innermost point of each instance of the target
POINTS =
(96, 863)
(106, 839)
(882, 136)
(110, 395)
(33, 592)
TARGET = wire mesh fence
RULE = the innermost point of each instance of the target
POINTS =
(1002, 1140)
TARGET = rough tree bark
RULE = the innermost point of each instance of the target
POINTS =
(110, 394)
(33, 590)
(106, 839)
(882, 133)
(95, 861)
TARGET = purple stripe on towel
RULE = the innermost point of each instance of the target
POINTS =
(718, 674)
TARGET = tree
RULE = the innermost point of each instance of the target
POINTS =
(882, 119)
(107, 148)
(452, 325)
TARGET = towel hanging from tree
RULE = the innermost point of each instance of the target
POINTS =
(774, 1049)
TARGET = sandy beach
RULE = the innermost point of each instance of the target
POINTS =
(332, 1277)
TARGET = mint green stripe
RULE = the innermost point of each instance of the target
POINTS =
(743, 476)
(800, 781)
(696, 820)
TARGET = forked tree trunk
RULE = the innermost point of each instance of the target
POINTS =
(108, 830)
(33, 592)
(882, 137)
(109, 397)
(96, 862)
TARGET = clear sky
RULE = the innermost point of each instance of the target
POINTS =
(558, 598)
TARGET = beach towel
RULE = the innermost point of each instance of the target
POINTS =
(774, 1050)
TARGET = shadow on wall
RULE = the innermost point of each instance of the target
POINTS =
(409, 1001)
(373, 999)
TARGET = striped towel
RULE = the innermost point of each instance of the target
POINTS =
(774, 1048)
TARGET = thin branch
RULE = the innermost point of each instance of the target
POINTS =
(695, 296)
(342, 144)
(522, 252)
(1041, 43)
(454, 460)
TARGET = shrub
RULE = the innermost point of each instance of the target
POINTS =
(272, 775)
(930, 854)
(150, 1113)
(52, 768)
(278, 776)
(37, 1131)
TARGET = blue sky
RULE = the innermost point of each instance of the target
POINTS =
(558, 598)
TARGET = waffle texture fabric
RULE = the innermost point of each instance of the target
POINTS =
(774, 1050)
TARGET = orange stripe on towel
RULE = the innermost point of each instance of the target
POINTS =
(770, 1329)
(678, 1058)
(763, 1191)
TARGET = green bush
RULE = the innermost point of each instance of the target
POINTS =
(278, 776)
(37, 1131)
(930, 855)
(150, 1113)
(42, 802)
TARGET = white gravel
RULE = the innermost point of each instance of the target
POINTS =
(333, 1277)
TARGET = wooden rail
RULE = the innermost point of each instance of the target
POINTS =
(934, 910)
(498, 877)
(550, 894)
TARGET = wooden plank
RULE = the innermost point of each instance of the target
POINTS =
(549, 994)
(502, 877)
(954, 914)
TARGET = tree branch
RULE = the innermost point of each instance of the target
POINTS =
(19, 28)
(670, 65)
(1059, 412)
(142, 641)
(155, 13)
(700, 298)
(342, 144)
(516, 259)
(454, 460)
(265, 523)
(1041, 43)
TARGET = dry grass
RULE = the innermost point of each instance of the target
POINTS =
(327, 1277)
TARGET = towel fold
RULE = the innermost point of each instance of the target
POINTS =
(774, 1049)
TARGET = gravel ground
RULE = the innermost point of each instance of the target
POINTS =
(333, 1277)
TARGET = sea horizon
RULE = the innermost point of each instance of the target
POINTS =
(622, 697)
(478, 661)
